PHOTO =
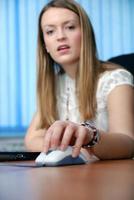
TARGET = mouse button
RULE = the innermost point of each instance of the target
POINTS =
(57, 155)
(69, 149)
(41, 157)
(53, 156)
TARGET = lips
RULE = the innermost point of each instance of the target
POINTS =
(62, 47)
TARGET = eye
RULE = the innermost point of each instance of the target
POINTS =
(71, 27)
(49, 32)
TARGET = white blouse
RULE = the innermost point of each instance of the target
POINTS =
(67, 104)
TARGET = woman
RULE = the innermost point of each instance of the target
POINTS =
(81, 101)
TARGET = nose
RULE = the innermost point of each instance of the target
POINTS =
(61, 34)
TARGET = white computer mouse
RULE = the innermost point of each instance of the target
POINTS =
(60, 158)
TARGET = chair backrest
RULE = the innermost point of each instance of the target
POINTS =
(126, 60)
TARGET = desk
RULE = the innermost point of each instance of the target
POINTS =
(101, 180)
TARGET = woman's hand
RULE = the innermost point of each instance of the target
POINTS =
(63, 133)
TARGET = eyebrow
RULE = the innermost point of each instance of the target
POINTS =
(64, 23)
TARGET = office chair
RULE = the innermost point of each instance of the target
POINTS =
(126, 60)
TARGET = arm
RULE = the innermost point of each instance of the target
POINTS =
(116, 144)
(34, 138)
(119, 142)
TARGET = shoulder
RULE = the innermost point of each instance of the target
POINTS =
(112, 78)
(118, 75)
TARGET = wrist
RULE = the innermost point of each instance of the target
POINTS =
(94, 134)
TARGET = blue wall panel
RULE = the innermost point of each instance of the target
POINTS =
(113, 25)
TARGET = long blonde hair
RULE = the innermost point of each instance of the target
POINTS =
(87, 74)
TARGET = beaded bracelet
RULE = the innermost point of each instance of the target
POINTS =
(96, 135)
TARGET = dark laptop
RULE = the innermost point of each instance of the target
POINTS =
(12, 149)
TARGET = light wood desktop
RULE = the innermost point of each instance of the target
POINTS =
(101, 180)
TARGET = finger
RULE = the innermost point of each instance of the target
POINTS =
(57, 133)
(56, 136)
(68, 134)
(81, 134)
(47, 140)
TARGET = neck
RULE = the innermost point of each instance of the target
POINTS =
(71, 70)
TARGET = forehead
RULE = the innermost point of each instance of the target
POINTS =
(54, 16)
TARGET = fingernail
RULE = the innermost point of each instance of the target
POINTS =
(45, 149)
(62, 147)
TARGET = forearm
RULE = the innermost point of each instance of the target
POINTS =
(114, 146)
(35, 141)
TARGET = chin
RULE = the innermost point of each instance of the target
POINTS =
(67, 61)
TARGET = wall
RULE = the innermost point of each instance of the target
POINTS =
(113, 26)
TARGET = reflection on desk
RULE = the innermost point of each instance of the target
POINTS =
(100, 180)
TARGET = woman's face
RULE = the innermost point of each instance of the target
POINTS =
(62, 35)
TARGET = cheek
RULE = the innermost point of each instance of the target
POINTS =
(48, 43)
(77, 40)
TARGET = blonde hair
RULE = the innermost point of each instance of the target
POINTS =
(87, 74)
